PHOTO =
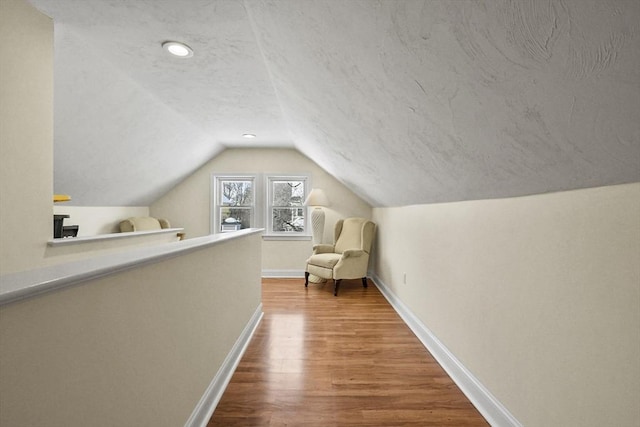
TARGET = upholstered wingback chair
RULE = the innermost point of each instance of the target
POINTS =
(143, 223)
(348, 257)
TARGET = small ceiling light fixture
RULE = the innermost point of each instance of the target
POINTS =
(249, 135)
(180, 50)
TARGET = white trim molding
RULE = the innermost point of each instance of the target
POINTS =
(486, 403)
(278, 274)
(112, 236)
(285, 237)
(209, 400)
(25, 284)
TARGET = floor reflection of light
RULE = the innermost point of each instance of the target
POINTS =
(286, 352)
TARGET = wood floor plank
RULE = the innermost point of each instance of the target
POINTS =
(320, 360)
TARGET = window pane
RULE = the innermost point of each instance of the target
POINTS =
(287, 219)
(234, 218)
(288, 193)
(236, 193)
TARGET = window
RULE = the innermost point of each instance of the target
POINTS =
(286, 212)
(275, 202)
(234, 206)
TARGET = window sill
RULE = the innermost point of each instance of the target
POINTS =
(112, 236)
(285, 237)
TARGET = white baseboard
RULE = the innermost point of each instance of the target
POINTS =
(490, 407)
(296, 274)
(283, 273)
(208, 402)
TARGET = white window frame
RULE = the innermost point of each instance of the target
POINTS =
(216, 188)
(289, 235)
(261, 206)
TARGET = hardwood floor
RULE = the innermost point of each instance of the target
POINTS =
(320, 360)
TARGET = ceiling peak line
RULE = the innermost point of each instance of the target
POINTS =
(265, 62)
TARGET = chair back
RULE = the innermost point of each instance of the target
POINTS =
(354, 233)
(143, 223)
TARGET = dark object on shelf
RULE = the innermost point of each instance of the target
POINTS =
(70, 231)
(57, 225)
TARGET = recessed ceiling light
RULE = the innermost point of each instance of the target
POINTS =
(248, 135)
(180, 50)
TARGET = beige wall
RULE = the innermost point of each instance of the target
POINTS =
(539, 297)
(188, 205)
(26, 135)
(136, 348)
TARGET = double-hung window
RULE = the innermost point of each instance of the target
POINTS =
(286, 213)
(275, 202)
(234, 203)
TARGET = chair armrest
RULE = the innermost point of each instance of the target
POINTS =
(323, 249)
(352, 253)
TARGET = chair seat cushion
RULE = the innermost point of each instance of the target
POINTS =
(324, 260)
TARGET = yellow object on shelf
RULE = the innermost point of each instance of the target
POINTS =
(61, 198)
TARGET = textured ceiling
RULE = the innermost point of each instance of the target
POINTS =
(406, 102)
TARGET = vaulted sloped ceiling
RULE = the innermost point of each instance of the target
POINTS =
(406, 102)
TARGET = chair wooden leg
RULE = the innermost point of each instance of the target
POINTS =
(335, 292)
(306, 279)
(364, 282)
